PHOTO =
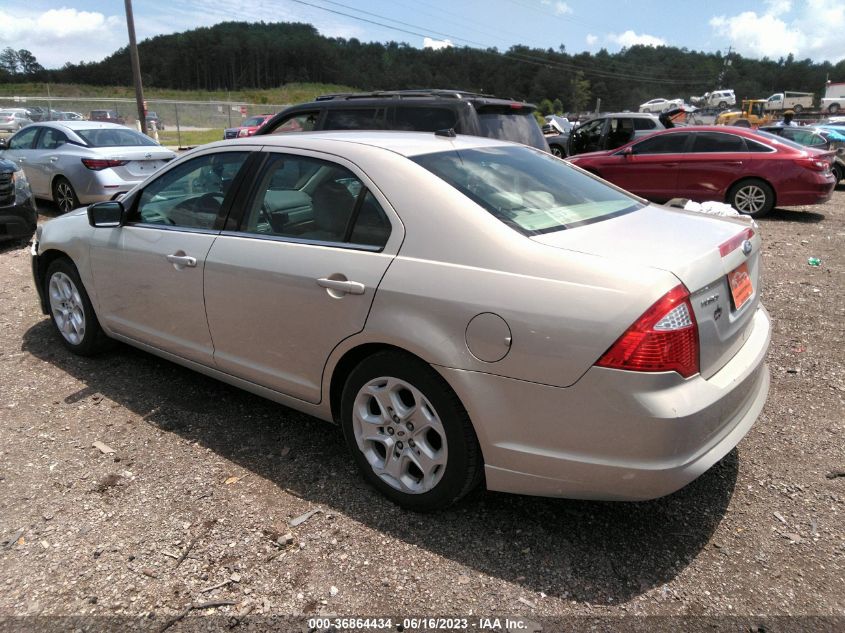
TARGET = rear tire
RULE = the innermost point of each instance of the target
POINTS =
(408, 432)
(557, 150)
(63, 195)
(71, 311)
(798, 108)
(839, 173)
(752, 197)
(833, 108)
(723, 105)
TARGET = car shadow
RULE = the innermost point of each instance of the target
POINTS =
(795, 215)
(589, 552)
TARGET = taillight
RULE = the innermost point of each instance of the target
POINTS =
(816, 164)
(102, 163)
(735, 242)
(664, 338)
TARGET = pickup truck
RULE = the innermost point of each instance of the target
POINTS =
(796, 101)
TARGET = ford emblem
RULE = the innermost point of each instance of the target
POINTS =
(746, 247)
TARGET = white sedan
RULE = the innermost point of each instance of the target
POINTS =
(661, 105)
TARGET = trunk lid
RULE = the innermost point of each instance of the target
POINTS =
(686, 244)
(141, 161)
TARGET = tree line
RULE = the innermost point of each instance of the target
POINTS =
(239, 56)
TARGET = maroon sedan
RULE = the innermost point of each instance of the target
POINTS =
(752, 171)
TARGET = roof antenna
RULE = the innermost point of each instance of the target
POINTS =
(448, 133)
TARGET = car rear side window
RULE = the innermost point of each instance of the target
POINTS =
(304, 198)
(51, 139)
(190, 195)
(416, 119)
(302, 122)
(511, 124)
(644, 124)
(530, 191)
(662, 144)
(354, 119)
(710, 142)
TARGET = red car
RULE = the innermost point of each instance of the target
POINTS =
(248, 127)
(752, 171)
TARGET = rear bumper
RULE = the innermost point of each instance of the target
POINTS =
(614, 435)
(816, 192)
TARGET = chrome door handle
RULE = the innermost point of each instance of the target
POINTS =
(669, 164)
(182, 260)
(53, 159)
(348, 287)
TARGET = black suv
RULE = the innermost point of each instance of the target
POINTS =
(414, 110)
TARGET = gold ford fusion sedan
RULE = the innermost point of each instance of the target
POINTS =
(466, 309)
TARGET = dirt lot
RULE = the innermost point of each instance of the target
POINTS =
(204, 479)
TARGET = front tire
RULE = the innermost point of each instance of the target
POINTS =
(557, 150)
(723, 105)
(71, 311)
(752, 197)
(833, 108)
(63, 195)
(408, 432)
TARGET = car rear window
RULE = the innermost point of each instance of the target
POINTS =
(511, 124)
(530, 191)
(113, 137)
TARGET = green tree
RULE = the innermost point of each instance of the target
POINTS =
(27, 62)
(9, 60)
(545, 107)
(557, 106)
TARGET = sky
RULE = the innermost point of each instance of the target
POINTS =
(89, 30)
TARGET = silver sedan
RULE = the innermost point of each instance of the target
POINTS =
(466, 309)
(80, 162)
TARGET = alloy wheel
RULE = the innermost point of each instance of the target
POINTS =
(65, 198)
(400, 435)
(750, 199)
(67, 308)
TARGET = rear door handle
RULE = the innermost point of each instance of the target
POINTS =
(669, 164)
(182, 260)
(733, 162)
(347, 287)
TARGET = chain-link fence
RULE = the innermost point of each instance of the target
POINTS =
(181, 123)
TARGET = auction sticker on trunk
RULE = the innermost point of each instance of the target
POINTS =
(741, 288)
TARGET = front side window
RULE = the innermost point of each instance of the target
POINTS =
(310, 199)
(621, 131)
(190, 195)
(302, 122)
(24, 139)
(530, 191)
(587, 137)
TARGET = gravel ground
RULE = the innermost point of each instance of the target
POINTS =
(192, 500)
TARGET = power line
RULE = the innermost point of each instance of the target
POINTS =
(518, 57)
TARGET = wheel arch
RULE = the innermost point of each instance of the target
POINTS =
(43, 263)
(350, 359)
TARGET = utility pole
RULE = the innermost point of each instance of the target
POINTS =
(136, 67)
(725, 64)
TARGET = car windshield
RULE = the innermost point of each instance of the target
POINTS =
(510, 124)
(113, 137)
(530, 191)
(253, 121)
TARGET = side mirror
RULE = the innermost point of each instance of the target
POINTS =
(628, 152)
(107, 214)
(4, 144)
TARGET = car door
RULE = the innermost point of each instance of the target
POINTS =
(148, 274)
(299, 272)
(650, 169)
(714, 161)
(44, 163)
(21, 149)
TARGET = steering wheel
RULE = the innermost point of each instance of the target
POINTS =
(206, 203)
